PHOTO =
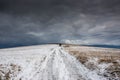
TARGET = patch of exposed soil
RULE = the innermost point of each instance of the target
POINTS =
(105, 61)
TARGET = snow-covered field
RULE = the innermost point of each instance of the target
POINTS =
(46, 62)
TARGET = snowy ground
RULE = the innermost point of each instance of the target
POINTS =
(47, 62)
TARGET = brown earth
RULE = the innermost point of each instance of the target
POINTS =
(84, 52)
(104, 55)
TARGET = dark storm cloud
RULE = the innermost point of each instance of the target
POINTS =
(37, 6)
(45, 21)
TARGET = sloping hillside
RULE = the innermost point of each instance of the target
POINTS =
(104, 60)
(54, 62)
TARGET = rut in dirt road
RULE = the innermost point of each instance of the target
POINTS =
(56, 65)
(59, 65)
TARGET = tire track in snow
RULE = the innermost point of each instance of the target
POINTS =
(57, 65)
(77, 69)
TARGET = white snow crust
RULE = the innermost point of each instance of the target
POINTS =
(43, 63)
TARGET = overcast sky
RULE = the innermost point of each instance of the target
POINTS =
(27, 22)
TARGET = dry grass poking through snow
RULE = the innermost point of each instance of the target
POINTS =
(7, 71)
(29, 63)
(105, 61)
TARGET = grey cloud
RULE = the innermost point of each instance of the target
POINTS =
(45, 21)
(61, 6)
